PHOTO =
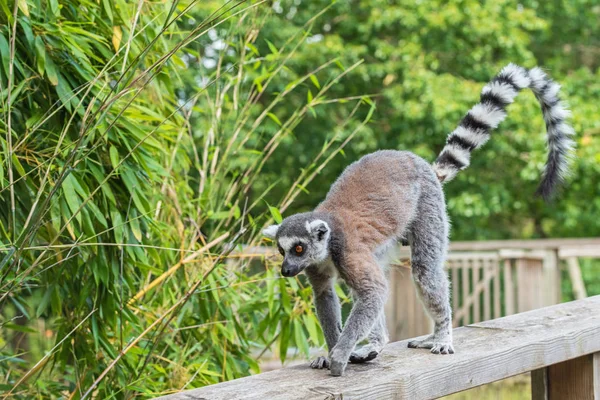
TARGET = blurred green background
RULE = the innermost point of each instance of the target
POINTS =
(143, 143)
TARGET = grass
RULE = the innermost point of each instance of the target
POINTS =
(515, 388)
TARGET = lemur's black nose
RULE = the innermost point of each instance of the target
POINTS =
(287, 269)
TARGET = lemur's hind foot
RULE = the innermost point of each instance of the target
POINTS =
(437, 346)
(320, 363)
(365, 353)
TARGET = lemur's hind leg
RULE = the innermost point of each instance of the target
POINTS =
(429, 242)
(378, 338)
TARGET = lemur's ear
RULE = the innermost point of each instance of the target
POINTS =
(270, 231)
(318, 229)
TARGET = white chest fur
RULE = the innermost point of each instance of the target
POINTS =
(327, 268)
(387, 253)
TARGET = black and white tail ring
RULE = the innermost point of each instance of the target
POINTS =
(475, 128)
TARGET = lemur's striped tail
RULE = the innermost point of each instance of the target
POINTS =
(475, 128)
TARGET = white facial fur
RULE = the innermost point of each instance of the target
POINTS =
(320, 245)
(270, 231)
(287, 242)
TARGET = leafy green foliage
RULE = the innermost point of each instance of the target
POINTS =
(145, 144)
(129, 181)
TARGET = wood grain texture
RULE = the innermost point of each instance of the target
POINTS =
(572, 380)
(486, 352)
(530, 279)
(575, 379)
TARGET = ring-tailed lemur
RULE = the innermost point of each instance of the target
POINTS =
(391, 195)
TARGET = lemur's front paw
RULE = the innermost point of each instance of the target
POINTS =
(363, 354)
(320, 363)
(337, 367)
(338, 363)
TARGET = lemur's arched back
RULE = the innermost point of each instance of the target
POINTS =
(388, 196)
(475, 128)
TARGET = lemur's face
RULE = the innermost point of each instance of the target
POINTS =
(302, 242)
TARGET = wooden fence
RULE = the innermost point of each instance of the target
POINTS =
(558, 344)
(491, 279)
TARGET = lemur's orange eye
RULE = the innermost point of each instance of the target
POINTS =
(299, 249)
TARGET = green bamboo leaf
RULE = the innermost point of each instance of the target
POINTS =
(51, 71)
(95, 333)
(108, 10)
(252, 48)
(4, 54)
(97, 213)
(270, 293)
(284, 338)
(40, 53)
(114, 157)
(55, 8)
(134, 224)
(45, 302)
(275, 214)
(259, 86)
(315, 81)
(274, 118)
(70, 195)
(18, 166)
(19, 328)
(272, 47)
(25, 25)
(23, 7)
(117, 224)
(7, 11)
(300, 339)
(7, 257)
(284, 299)
(311, 327)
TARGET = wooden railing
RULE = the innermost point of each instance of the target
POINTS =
(492, 279)
(559, 344)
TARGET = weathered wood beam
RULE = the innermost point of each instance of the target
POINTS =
(486, 352)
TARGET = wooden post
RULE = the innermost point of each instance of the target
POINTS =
(576, 278)
(551, 281)
(509, 289)
(576, 379)
(529, 279)
(406, 316)
(452, 266)
(497, 307)
(466, 292)
(487, 293)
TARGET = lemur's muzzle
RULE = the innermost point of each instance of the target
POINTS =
(288, 270)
